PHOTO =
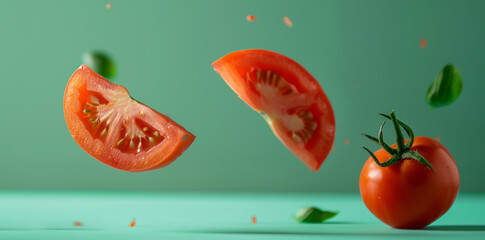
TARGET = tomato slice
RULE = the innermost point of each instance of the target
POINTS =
(118, 130)
(288, 97)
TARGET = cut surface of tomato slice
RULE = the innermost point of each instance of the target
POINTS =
(118, 130)
(288, 97)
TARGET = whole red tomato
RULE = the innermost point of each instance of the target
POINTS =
(413, 184)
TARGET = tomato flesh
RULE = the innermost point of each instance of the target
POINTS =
(118, 130)
(409, 194)
(288, 97)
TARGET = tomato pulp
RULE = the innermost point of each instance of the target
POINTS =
(288, 97)
(118, 130)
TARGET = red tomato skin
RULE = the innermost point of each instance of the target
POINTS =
(409, 195)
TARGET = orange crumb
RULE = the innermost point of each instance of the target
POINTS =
(133, 223)
(108, 6)
(288, 21)
(347, 141)
(77, 224)
(437, 138)
(251, 18)
(424, 43)
(253, 219)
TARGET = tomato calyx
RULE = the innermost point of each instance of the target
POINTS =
(403, 151)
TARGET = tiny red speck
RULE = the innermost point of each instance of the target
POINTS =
(347, 141)
(251, 18)
(133, 223)
(288, 21)
(108, 6)
(77, 224)
(424, 43)
(253, 219)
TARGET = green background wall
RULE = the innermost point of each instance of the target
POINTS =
(365, 54)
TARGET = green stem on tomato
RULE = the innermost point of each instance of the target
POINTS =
(399, 137)
(370, 138)
(403, 150)
(388, 148)
(407, 128)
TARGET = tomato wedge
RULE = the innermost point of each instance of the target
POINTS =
(118, 130)
(288, 97)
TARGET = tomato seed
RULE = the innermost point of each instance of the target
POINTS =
(296, 138)
(120, 142)
(306, 115)
(94, 100)
(87, 111)
(312, 126)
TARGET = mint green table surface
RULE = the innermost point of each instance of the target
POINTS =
(50, 215)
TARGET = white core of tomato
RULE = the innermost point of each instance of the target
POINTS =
(293, 123)
(120, 110)
(275, 90)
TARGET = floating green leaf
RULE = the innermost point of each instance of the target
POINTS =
(446, 87)
(313, 215)
(100, 62)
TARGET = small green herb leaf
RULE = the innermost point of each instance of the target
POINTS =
(100, 63)
(446, 87)
(313, 215)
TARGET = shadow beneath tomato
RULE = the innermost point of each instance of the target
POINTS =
(349, 234)
(352, 232)
(457, 228)
(329, 223)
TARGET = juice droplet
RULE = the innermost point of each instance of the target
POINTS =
(287, 21)
(424, 43)
(133, 223)
(108, 6)
(253, 219)
(347, 141)
(251, 18)
(77, 224)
